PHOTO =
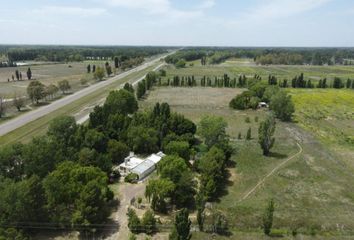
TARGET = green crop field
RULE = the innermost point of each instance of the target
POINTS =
(313, 191)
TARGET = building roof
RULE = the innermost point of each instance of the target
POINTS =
(156, 157)
(131, 162)
(143, 167)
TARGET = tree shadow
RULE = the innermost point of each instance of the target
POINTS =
(24, 110)
(226, 183)
(277, 155)
(276, 235)
(40, 104)
(106, 229)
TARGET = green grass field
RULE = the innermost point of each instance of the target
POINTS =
(313, 191)
(236, 67)
(329, 114)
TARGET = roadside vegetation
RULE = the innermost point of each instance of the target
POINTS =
(68, 68)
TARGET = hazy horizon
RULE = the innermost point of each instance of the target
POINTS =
(222, 23)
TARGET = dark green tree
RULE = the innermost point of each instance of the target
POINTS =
(265, 134)
(64, 86)
(142, 139)
(268, 218)
(61, 129)
(157, 191)
(117, 151)
(129, 87)
(41, 156)
(36, 91)
(98, 73)
(182, 227)
(178, 148)
(134, 223)
(29, 74)
(213, 130)
(249, 134)
(122, 102)
(77, 195)
(282, 106)
(149, 222)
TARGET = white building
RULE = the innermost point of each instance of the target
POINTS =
(263, 105)
(141, 167)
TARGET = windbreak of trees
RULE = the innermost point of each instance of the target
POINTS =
(243, 81)
(76, 53)
(267, 56)
(187, 55)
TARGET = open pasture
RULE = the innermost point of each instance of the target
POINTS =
(312, 191)
(236, 67)
(46, 73)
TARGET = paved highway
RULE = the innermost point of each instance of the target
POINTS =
(22, 120)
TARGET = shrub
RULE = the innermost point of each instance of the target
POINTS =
(242, 101)
(131, 178)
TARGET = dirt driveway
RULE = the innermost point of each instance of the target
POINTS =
(126, 193)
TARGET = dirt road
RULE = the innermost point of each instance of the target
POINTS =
(127, 193)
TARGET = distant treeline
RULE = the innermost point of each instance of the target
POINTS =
(75, 53)
(268, 56)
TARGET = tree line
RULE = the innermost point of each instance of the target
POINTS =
(267, 56)
(76, 53)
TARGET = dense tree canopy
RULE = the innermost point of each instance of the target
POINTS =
(77, 195)
(282, 106)
(213, 130)
(121, 101)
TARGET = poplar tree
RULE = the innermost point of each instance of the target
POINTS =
(265, 134)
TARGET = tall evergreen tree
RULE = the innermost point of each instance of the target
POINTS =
(29, 74)
(182, 227)
(268, 218)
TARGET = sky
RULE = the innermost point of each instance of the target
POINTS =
(298, 23)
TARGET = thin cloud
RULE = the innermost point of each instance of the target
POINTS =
(76, 11)
(207, 4)
(275, 9)
(162, 7)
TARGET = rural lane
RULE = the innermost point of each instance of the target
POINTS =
(22, 120)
